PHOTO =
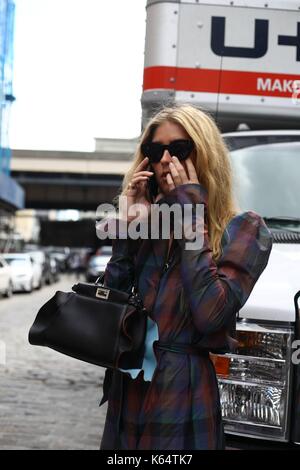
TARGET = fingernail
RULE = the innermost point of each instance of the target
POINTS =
(171, 163)
(174, 157)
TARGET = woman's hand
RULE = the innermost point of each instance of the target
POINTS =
(136, 191)
(179, 175)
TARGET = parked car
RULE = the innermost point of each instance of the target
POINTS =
(39, 261)
(104, 250)
(24, 275)
(6, 287)
(48, 263)
(61, 255)
(50, 272)
(96, 266)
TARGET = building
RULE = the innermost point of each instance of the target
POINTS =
(56, 179)
(61, 183)
(11, 193)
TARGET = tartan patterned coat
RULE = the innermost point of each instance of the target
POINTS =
(194, 301)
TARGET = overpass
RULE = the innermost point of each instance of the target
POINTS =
(72, 180)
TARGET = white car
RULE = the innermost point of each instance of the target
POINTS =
(22, 271)
(96, 266)
(38, 258)
(6, 286)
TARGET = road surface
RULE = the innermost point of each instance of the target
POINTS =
(47, 400)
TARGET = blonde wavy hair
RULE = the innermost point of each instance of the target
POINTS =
(211, 161)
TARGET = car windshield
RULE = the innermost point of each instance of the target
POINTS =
(266, 180)
(238, 141)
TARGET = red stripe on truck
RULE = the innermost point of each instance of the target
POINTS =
(213, 81)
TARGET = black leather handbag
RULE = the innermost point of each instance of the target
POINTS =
(95, 324)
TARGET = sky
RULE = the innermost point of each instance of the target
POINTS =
(78, 72)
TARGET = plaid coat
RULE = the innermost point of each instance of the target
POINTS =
(194, 302)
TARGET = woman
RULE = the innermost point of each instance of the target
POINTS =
(193, 295)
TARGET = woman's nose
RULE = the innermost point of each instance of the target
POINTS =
(166, 158)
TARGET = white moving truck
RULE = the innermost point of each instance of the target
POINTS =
(240, 60)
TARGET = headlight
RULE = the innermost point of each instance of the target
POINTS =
(255, 405)
(254, 382)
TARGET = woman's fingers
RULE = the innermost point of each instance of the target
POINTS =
(170, 181)
(174, 173)
(143, 173)
(137, 184)
(137, 178)
(192, 175)
(143, 164)
(178, 172)
(159, 196)
(140, 176)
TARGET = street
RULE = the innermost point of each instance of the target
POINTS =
(47, 400)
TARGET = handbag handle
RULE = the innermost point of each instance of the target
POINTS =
(100, 281)
(100, 277)
(134, 289)
(135, 298)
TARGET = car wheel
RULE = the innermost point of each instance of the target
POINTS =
(9, 291)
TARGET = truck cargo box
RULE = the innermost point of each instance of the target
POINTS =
(240, 60)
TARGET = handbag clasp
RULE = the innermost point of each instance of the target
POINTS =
(102, 293)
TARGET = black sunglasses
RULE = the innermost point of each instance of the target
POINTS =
(180, 148)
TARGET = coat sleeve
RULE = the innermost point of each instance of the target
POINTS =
(119, 272)
(217, 290)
